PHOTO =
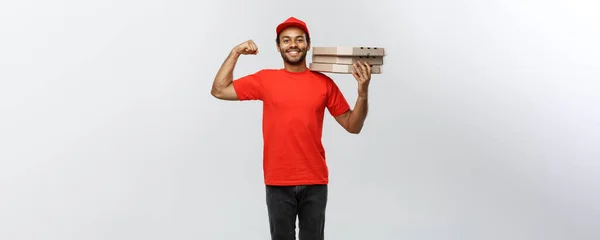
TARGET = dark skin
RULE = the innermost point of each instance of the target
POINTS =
(293, 48)
(292, 40)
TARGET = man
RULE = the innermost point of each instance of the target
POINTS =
(294, 100)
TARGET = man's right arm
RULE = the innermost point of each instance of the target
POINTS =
(222, 87)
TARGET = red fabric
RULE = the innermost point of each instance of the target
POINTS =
(293, 112)
(292, 22)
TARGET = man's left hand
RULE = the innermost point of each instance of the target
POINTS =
(362, 74)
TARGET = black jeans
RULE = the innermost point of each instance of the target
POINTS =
(308, 203)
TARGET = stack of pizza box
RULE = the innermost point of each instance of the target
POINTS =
(341, 59)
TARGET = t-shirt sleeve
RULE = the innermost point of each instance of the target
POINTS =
(336, 102)
(249, 87)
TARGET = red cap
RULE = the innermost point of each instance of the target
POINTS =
(292, 22)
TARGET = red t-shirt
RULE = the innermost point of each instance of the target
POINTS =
(293, 110)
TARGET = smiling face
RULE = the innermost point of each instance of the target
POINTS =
(293, 45)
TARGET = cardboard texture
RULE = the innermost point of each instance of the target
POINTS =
(340, 68)
(373, 60)
(349, 51)
(341, 59)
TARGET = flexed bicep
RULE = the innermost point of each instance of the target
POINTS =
(227, 93)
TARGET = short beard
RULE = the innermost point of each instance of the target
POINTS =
(302, 54)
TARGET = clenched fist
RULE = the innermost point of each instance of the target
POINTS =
(246, 48)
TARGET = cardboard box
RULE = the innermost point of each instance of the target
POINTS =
(349, 51)
(373, 60)
(340, 68)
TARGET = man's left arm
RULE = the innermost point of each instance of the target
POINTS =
(354, 119)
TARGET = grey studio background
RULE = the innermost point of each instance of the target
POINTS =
(484, 125)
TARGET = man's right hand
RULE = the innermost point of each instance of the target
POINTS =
(246, 48)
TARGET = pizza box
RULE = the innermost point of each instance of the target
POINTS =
(349, 51)
(372, 60)
(340, 68)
